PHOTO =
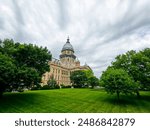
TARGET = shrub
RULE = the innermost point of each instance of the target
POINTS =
(45, 87)
(67, 86)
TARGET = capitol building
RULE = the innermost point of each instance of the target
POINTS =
(60, 69)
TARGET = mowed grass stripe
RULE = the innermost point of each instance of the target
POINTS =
(72, 101)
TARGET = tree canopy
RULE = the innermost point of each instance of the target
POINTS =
(88, 73)
(24, 64)
(78, 79)
(93, 81)
(137, 65)
(118, 81)
(7, 71)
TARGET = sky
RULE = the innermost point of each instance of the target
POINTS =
(99, 30)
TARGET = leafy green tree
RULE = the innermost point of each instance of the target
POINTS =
(118, 81)
(7, 70)
(93, 81)
(88, 73)
(144, 68)
(137, 65)
(78, 79)
(26, 77)
(33, 56)
(7, 47)
(30, 61)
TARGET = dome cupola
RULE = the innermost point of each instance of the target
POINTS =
(67, 46)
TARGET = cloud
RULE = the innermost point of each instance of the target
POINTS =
(63, 18)
(99, 30)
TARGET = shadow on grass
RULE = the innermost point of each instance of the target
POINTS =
(97, 89)
(18, 94)
(122, 101)
(15, 98)
(126, 99)
(145, 98)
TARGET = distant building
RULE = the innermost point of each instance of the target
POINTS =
(60, 69)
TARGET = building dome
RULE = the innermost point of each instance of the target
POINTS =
(68, 46)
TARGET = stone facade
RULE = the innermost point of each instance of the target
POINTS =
(60, 69)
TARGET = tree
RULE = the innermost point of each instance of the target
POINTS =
(137, 65)
(93, 81)
(32, 56)
(88, 73)
(78, 79)
(30, 61)
(7, 47)
(144, 68)
(7, 70)
(26, 77)
(118, 81)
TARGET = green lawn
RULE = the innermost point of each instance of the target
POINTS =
(72, 101)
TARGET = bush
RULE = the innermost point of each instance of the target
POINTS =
(45, 87)
(36, 87)
(52, 83)
(67, 86)
(62, 86)
(55, 87)
(20, 89)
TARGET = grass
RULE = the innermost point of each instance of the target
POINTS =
(73, 101)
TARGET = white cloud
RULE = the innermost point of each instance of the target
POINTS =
(99, 30)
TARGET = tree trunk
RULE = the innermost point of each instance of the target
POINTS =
(118, 95)
(138, 94)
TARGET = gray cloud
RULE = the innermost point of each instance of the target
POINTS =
(63, 18)
(99, 30)
(19, 26)
(1, 24)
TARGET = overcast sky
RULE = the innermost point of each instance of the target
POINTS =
(99, 30)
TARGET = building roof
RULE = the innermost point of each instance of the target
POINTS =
(68, 46)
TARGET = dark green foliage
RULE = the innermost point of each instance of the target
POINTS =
(118, 81)
(88, 73)
(36, 87)
(93, 81)
(83, 78)
(137, 65)
(20, 89)
(7, 71)
(65, 86)
(79, 79)
(25, 64)
(33, 56)
(26, 77)
(145, 69)
(62, 86)
(45, 87)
